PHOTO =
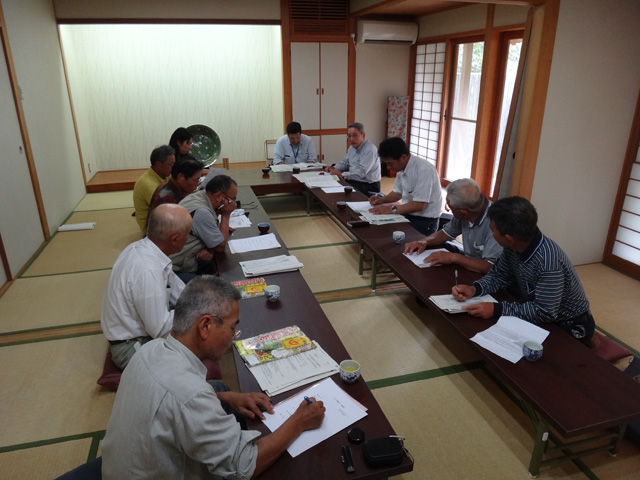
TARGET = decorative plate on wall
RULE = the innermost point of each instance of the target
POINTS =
(206, 145)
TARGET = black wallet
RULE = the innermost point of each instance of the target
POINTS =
(383, 452)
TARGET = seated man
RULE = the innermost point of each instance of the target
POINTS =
(162, 160)
(469, 208)
(417, 185)
(142, 289)
(360, 166)
(207, 236)
(185, 176)
(547, 285)
(167, 422)
(294, 147)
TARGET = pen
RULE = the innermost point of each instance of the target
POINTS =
(347, 459)
(377, 194)
(309, 401)
(456, 275)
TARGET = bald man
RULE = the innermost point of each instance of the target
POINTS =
(142, 290)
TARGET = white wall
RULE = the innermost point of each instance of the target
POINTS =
(133, 85)
(381, 71)
(465, 19)
(593, 88)
(36, 56)
(170, 9)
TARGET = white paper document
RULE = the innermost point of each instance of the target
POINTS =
(339, 189)
(507, 336)
(341, 411)
(252, 244)
(383, 219)
(418, 258)
(450, 305)
(238, 219)
(288, 167)
(294, 371)
(71, 227)
(264, 266)
(359, 207)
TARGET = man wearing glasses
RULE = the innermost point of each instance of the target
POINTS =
(469, 209)
(168, 422)
(360, 166)
(207, 236)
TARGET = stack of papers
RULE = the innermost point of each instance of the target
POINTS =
(316, 180)
(341, 411)
(418, 258)
(339, 189)
(451, 305)
(507, 336)
(264, 266)
(252, 244)
(294, 371)
(375, 218)
(288, 167)
(238, 219)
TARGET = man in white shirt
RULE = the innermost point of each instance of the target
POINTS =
(417, 185)
(360, 166)
(142, 289)
(167, 422)
(294, 147)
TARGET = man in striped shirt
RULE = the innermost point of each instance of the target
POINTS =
(535, 269)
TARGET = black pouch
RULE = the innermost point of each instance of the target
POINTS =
(383, 452)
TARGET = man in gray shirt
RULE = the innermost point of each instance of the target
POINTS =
(168, 422)
(469, 208)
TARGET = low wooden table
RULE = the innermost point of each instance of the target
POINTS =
(298, 306)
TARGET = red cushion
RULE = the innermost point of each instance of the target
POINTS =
(111, 374)
(607, 348)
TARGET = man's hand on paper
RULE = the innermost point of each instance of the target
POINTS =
(463, 292)
(482, 310)
(309, 415)
(417, 247)
(440, 258)
(250, 405)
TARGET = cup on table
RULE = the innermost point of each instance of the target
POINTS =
(296, 169)
(398, 236)
(532, 351)
(349, 371)
(272, 292)
(265, 171)
(341, 205)
(264, 227)
(348, 189)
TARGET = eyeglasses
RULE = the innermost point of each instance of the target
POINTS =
(236, 332)
(230, 198)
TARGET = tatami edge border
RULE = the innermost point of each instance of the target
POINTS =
(424, 375)
(99, 435)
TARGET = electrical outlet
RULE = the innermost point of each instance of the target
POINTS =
(89, 166)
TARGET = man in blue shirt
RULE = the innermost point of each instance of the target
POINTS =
(294, 147)
(539, 273)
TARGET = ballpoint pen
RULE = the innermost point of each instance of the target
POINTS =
(308, 400)
(456, 276)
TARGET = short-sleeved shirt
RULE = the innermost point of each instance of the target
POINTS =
(285, 152)
(142, 193)
(477, 239)
(419, 182)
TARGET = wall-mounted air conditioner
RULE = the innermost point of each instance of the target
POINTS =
(391, 33)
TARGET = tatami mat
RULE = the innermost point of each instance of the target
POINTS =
(66, 300)
(49, 389)
(463, 427)
(87, 250)
(45, 462)
(613, 296)
(332, 268)
(106, 201)
(308, 231)
(391, 335)
(286, 205)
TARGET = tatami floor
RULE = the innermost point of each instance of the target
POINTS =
(458, 422)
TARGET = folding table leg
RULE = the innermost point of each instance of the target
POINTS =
(361, 259)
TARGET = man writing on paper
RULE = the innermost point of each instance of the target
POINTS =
(417, 185)
(142, 288)
(167, 422)
(294, 147)
(162, 160)
(360, 166)
(546, 284)
(207, 236)
(469, 208)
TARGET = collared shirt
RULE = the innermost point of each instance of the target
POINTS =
(140, 293)
(167, 422)
(142, 193)
(419, 182)
(477, 239)
(361, 164)
(549, 288)
(286, 152)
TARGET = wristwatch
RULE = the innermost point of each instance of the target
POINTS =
(394, 209)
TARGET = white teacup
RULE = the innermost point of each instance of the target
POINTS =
(398, 236)
(349, 371)
(272, 292)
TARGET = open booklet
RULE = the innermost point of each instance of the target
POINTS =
(418, 258)
(450, 305)
(275, 345)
